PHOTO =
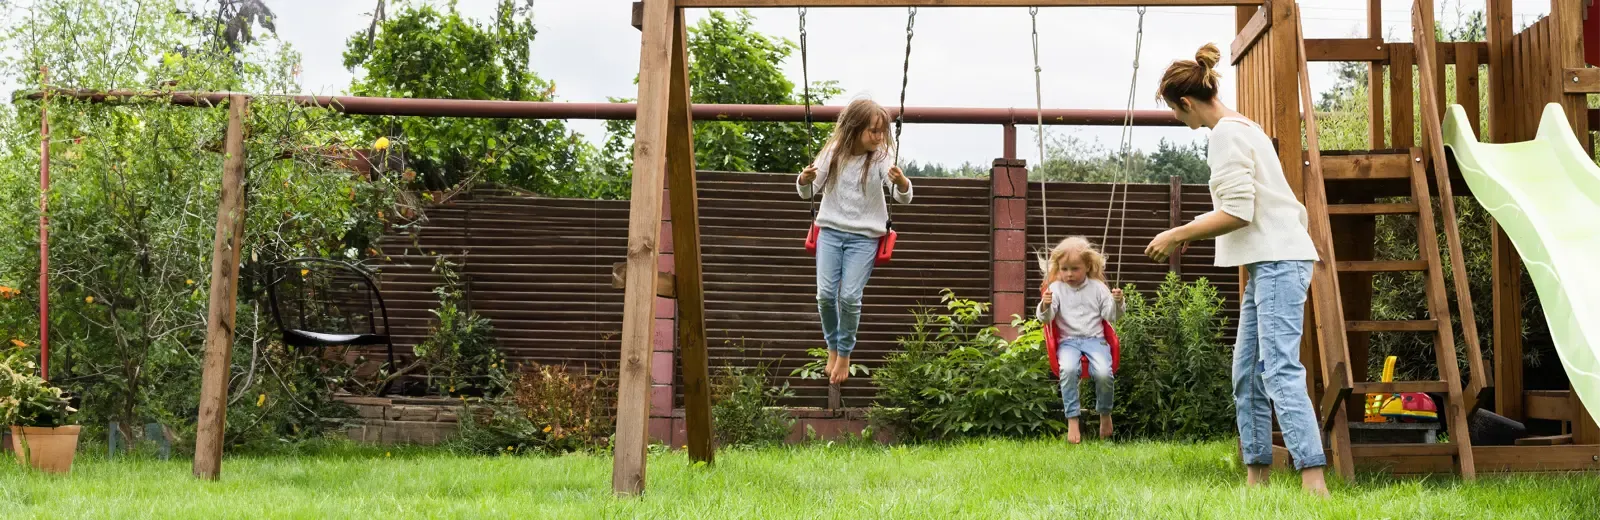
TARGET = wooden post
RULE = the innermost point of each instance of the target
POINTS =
(644, 230)
(1567, 53)
(685, 206)
(1328, 314)
(225, 251)
(1377, 134)
(1174, 219)
(1498, 18)
(1506, 264)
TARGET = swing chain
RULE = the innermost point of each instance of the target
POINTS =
(905, 78)
(805, 79)
(1127, 157)
(1038, 98)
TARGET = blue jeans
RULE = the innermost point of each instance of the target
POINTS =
(1070, 353)
(844, 263)
(1266, 366)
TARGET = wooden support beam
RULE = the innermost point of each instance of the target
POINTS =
(1546, 440)
(1347, 49)
(1566, 53)
(961, 3)
(1432, 108)
(644, 230)
(1549, 405)
(1581, 81)
(1500, 32)
(1366, 167)
(1333, 396)
(685, 206)
(1326, 310)
(666, 283)
(1506, 293)
(1377, 132)
(1454, 410)
(1467, 89)
(1252, 32)
(224, 299)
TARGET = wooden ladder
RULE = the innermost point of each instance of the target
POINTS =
(1411, 167)
(1331, 320)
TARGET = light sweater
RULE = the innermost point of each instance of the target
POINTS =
(846, 206)
(1077, 311)
(1247, 182)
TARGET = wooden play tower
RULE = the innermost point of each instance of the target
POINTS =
(1342, 190)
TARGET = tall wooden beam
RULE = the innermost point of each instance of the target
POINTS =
(644, 230)
(224, 301)
(1327, 312)
(1506, 264)
(1432, 106)
(1567, 53)
(1377, 131)
(685, 206)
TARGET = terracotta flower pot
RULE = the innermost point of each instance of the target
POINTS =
(47, 449)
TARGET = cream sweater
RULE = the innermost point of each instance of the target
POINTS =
(846, 206)
(1247, 182)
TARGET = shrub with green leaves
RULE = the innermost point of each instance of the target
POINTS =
(460, 355)
(956, 377)
(1175, 379)
(745, 407)
(550, 409)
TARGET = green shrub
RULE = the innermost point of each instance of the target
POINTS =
(956, 377)
(1175, 377)
(550, 409)
(460, 355)
(25, 398)
(745, 407)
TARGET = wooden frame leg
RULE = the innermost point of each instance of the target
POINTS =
(682, 188)
(224, 300)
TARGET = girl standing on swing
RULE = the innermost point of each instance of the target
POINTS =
(1259, 224)
(850, 172)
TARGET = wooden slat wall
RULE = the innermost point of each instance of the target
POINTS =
(540, 269)
(1531, 62)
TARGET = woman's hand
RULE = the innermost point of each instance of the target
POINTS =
(899, 178)
(1164, 244)
(808, 175)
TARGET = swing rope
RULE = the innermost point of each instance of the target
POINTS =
(1126, 174)
(805, 80)
(905, 79)
(1038, 99)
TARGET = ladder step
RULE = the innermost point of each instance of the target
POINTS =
(1369, 451)
(1361, 167)
(1398, 208)
(1397, 387)
(1385, 266)
(1392, 326)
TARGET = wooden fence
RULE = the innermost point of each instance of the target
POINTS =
(540, 269)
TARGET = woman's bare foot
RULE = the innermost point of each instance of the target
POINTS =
(1313, 482)
(843, 371)
(1257, 475)
(1073, 435)
(1105, 426)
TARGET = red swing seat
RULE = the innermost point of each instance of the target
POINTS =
(1052, 343)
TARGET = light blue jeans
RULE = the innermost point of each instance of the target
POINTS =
(1266, 366)
(844, 263)
(1070, 355)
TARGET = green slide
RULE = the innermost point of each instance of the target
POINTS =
(1545, 194)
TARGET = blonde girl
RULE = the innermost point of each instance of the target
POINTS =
(1076, 300)
(851, 173)
(1259, 224)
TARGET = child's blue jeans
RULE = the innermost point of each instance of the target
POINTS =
(1070, 353)
(1266, 366)
(844, 263)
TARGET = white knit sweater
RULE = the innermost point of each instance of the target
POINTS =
(1247, 182)
(846, 206)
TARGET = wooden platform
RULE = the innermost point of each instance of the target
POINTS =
(1437, 458)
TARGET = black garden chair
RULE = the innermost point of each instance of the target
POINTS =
(323, 303)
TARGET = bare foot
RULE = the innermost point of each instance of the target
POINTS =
(1313, 482)
(833, 360)
(1105, 426)
(1257, 475)
(844, 369)
(1073, 435)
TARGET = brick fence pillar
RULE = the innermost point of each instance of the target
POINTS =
(1008, 192)
(664, 363)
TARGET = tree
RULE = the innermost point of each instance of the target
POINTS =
(422, 52)
(1185, 161)
(729, 62)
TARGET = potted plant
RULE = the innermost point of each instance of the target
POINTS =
(38, 416)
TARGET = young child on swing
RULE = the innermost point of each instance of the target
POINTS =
(851, 171)
(1076, 299)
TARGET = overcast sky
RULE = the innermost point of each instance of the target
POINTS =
(974, 57)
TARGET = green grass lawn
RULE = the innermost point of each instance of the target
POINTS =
(991, 479)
